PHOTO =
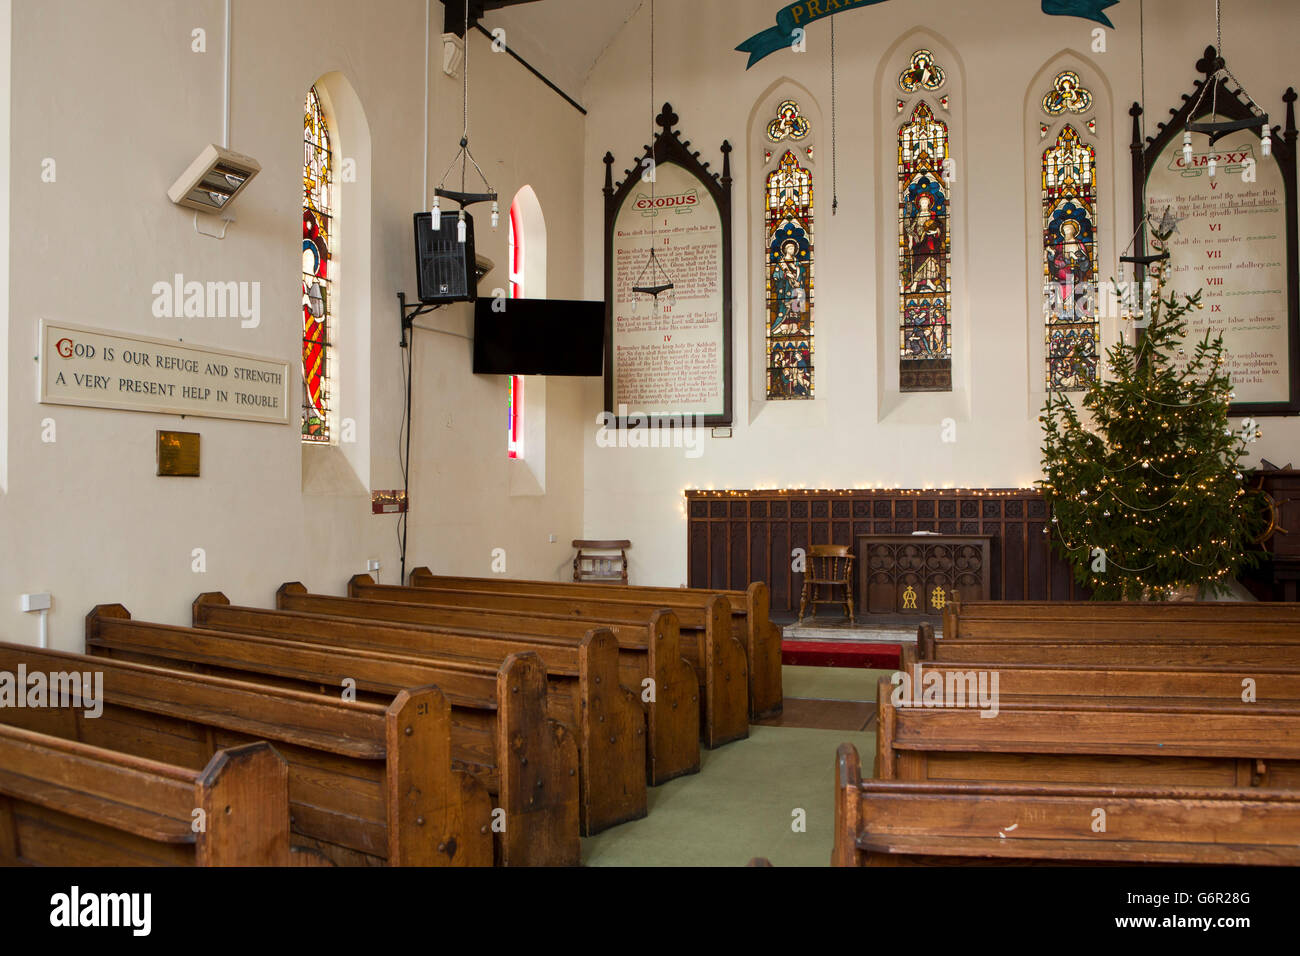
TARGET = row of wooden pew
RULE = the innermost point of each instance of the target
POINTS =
(455, 722)
(1084, 732)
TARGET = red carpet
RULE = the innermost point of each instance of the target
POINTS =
(840, 654)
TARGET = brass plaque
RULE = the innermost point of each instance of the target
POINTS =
(178, 454)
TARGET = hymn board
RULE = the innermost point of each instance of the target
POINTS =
(1236, 238)
(668, 351)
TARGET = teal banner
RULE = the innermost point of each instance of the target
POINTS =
(796, 16)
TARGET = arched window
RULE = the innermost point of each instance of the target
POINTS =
(1069, 178)
(924, 238)
(515, 388)
(788, 254)
(317, 270)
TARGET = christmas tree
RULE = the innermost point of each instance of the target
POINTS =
(1147, 498)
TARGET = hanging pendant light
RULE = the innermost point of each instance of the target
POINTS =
(1216, 128)
(653, 279)
(466, 159)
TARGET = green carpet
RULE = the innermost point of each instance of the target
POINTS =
(740, 804)
(831, 683)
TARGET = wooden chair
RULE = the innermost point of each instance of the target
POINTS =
(830, 565)
(594, 562)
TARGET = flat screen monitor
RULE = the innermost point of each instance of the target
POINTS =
(538, 337)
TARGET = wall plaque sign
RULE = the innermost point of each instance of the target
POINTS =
(178, 454)
(101, 369)
(1236, 237)
(663, 360)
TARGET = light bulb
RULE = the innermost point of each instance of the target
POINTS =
(496, 214)
(460, 228)
(1212, 165)
(1266, 145)
(1187, 146)
(436, 214)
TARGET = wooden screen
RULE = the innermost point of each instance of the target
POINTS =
(734, 537)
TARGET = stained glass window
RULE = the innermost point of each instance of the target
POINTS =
(924, 254)
(1070, 261)
(317, 219)
(515, 387)
(788, 253)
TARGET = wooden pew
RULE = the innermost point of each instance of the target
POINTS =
(501, 726)
(64, 803)
(1190, 620)
(716, 656)
(750, 610)
(368, 784)
(1122, 741)
(650, 651)
(1274, 684)
(894, 823)
(1240, 650)
(607, 718)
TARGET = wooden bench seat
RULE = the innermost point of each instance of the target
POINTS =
(1190, 620)
(64, 803)
(360, 774)
(1095, 740)
(608, 718)
(893, 823)
(1241, 649)
(645, 652)
(501, 722)
(717, 658)
(1124, 680)
(750, 609)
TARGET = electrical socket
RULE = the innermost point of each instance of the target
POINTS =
(36, 602)
(551, 538)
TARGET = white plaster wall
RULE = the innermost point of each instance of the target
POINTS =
(114, 94)
(857, 432)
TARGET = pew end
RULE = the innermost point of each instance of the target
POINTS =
(611, 738)
(244, 795)
(886, 727)
(102, 612)
(206, 599)
(766, 695)
(538, 766)
(925, 641)
(726, 664)
(289, 587)
(673, 716)
(359, 581)
(424, 794)
(848, 779)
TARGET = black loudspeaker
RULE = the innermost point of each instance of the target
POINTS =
(444, 265)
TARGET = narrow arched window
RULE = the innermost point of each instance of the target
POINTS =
(515, 387)
(317, 270)
(788, 255)
(924, 242)
(1069, 173)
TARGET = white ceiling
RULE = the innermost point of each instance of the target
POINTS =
(563, 39)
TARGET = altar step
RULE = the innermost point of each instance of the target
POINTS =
(829, 643)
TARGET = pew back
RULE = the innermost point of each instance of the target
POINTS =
(64, 803)
(750, 612)
(360, 774)
(892, 823)
(501, 728)
(607, 717)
